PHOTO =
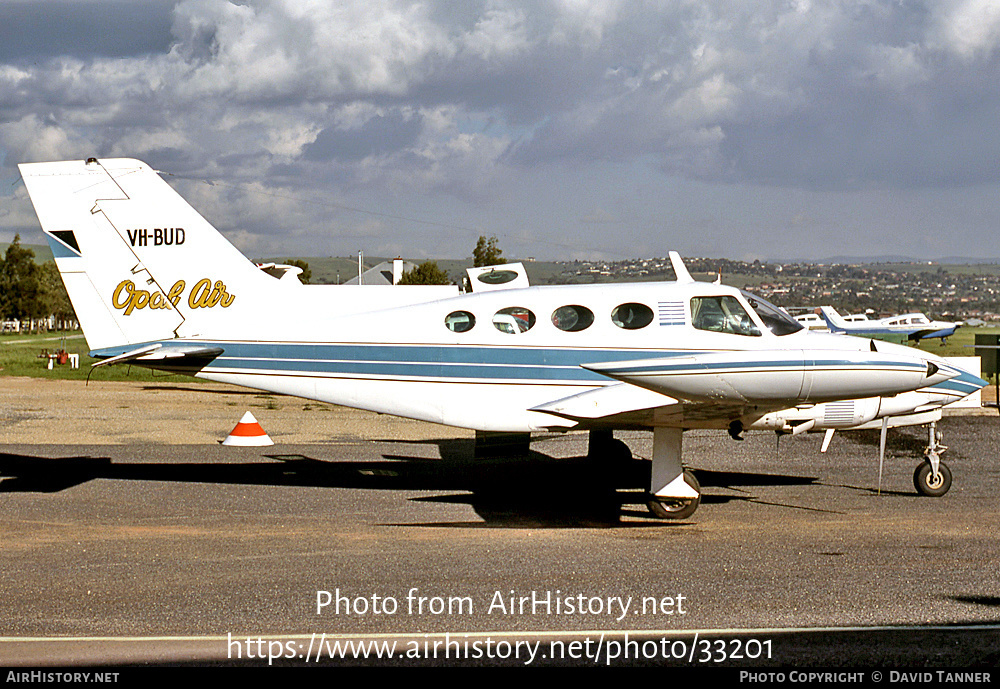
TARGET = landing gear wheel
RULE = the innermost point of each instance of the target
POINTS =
(926, 483)
(674, 508)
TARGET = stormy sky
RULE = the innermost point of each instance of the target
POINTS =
(568, 128)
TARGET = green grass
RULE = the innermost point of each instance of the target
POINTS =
(19, 356)
(959, 344)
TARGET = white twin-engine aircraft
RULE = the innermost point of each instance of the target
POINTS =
(154, 284)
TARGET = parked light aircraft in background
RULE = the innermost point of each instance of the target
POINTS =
(154, 284)
(813, 321)
(916, 326)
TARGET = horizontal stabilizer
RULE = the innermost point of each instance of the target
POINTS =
(127, 356)
(158, 352)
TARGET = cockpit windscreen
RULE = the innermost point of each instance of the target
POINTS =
(776, 320)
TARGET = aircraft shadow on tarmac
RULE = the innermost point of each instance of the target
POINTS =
(900, 441)
(536, 490)
(207, 389)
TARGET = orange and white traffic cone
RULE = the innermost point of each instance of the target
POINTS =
(248, 433)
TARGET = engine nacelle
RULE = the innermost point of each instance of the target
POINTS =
(780, 375)
(820, 417)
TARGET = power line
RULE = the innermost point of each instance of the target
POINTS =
(391, 216)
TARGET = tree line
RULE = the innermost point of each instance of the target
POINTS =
(486, 253)
(30, 291)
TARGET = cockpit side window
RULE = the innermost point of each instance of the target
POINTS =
(723, 314)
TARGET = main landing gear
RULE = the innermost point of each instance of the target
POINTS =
(674, 492)
(676, 508)
(933, 477)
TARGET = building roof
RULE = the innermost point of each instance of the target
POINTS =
(380, 274)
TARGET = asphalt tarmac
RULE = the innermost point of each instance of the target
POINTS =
(201, 554)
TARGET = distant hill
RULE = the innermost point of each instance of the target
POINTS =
(864, 260)
(327, 269)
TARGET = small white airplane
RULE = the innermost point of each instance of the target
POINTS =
(813, 321)
(154, 284)
(916, 326)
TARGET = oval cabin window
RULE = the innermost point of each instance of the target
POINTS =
(514, 320)
(459, 321)
(573, 318)
(632, 316)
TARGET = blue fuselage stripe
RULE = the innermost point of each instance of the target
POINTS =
(480, 363)
(449, 362)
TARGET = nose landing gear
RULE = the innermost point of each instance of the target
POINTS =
(933, 477)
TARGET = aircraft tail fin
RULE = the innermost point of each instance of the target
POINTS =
(834, 321)
(680, 270)
(139, 263)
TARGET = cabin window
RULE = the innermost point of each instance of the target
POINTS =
(459, 321)
(513, 320)
(572, 318)
(632, 316)
(722, 315)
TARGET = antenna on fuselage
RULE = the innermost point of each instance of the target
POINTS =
(679, 269)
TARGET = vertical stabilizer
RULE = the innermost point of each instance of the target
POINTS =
(139, 263)
(680, 270)
(834, 321)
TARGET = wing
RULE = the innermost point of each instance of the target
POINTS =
(623, 405)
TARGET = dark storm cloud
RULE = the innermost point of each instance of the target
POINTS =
(888, 143)
(823, 95)
(380, 134)
(566, 109)
(84, 28)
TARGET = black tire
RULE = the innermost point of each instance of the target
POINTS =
(925, 483)
(666, 508)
